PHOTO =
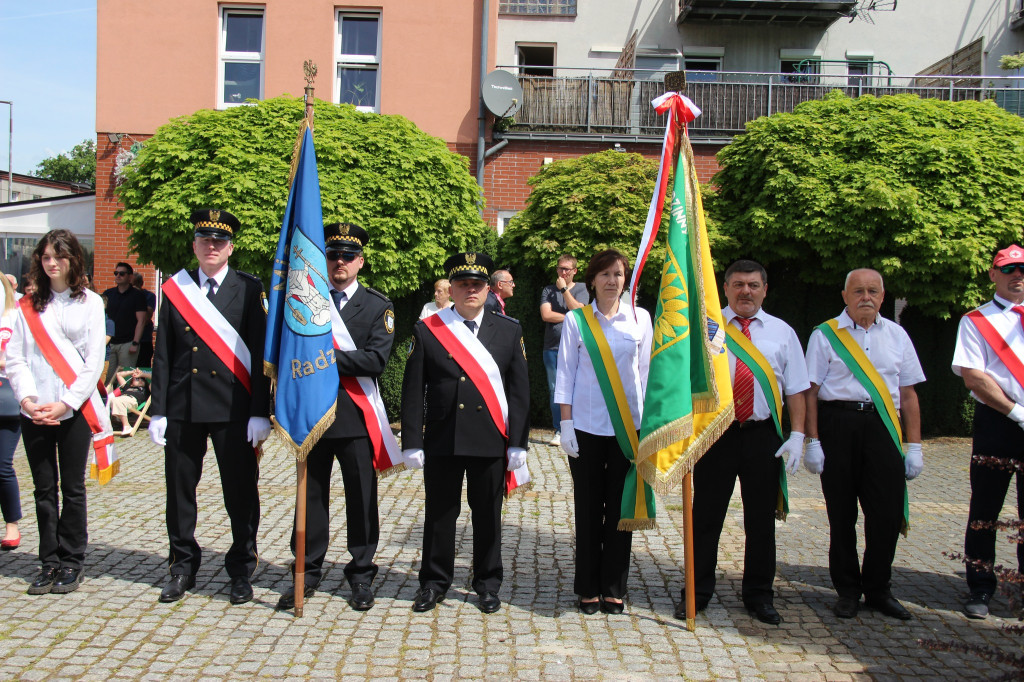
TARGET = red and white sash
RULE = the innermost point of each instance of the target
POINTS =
(994, 329)
(210, 324)
(67, 363)
(478, 364)
(387, 456)
(212, 327)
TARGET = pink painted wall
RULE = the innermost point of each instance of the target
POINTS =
(158, 60)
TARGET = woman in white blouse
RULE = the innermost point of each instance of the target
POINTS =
(57, 436)
(597, 463)
(442, 298)
(10, 429)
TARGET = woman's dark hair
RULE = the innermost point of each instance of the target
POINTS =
(65, 245)
(601, 262)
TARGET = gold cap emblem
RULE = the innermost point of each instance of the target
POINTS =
(343, 229)
(470, 258)
(215, 216)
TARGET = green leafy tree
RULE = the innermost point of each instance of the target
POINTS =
(415, 197)
(78, 165)
(922, 190)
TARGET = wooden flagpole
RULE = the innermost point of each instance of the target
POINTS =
(300, 473)
(691, 584)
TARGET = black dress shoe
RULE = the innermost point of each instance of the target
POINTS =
(241, 589)
(701, 605)
(426, 599)
(765, 613)
(489, 602)
(66, 580)
(43, 582)
(976, 607)
(612, 607)
(362, 597)
(888, 605)
(176, 588)
(846, 607)
(287, 600)
(589, 607)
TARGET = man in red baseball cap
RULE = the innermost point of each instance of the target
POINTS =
(989, 354)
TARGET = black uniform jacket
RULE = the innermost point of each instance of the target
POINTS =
(370, 318)
(190, 382)
(457, 421)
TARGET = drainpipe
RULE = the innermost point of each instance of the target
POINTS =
(481, 141)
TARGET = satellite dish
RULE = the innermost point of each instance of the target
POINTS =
(502, 93)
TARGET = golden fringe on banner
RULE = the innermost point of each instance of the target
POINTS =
(391, 471)
(629, 525)
(295, 150)
(524, 488)
(103, 477)
(302, 449)
(663, 482)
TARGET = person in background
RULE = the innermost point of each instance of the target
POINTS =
(555, 301)
(10, 431)
(126, 306)
(442, 298)
(597, 462)
(56, 424)
(134, 392)
(14, 286)
(146, 341)
(502, 287)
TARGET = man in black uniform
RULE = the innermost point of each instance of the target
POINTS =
(197, 395)
(462, 435)
(370, 319)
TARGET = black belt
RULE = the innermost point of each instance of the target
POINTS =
(853, 405)
(751, 424)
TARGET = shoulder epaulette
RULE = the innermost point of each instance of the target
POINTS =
(504, 316)
(251, 276)
(378, 294)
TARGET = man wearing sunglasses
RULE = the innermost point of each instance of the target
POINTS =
(502, 287)
(369, 318)
(126, 307)
(988, 355)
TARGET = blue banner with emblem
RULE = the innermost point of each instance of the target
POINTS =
(299, 352)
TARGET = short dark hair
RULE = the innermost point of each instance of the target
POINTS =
(601, 262)
(745, 266)
(131, 270)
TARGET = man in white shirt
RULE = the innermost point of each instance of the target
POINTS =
(857, 456)
(751, 448)
(989, 347)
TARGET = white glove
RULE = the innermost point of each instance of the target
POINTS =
(413, 458)
(914, 461)
(157, 429)
(795, 447)
(516, 458)
(814, 458)
(569, 444)
(259, 430)
(1017, 414)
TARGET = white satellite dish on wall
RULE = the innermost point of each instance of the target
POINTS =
(502, 93)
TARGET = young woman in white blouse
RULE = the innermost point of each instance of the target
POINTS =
(56, 434)
(597, 464)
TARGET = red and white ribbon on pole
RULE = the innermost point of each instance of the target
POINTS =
(681, 110)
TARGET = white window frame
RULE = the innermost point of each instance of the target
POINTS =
(226, 57)
(357, 61)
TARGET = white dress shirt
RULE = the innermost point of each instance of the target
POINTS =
(973, 352)
(478, 319)
(218, 279)
(81, 319)
(781, 348)
(885, 343)
(576, 382)
(349, 292)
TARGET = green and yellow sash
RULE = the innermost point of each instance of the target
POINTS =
(638, 508)
(745, 351)
(860, 366)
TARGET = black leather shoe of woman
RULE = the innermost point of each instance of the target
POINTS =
(612, 607)
(589, 607)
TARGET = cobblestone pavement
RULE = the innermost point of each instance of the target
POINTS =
(113, 626)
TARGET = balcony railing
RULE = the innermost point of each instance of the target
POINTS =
(586, 102)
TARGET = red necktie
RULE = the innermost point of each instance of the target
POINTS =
(1019, 309)
(743, 383)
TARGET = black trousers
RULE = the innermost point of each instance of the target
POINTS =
(862, 464)
(239, 474)
(57, 456)
(485, 487)
(355, 456)
(602, 550)
(746, 452)
(995, 435)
